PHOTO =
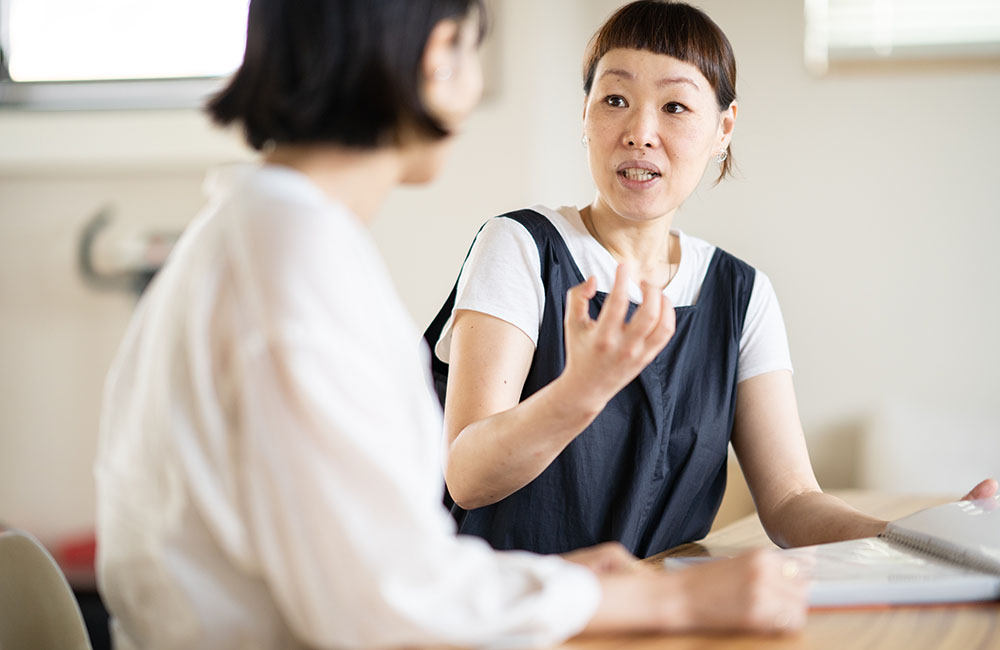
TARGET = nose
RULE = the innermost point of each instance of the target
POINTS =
(641, 130)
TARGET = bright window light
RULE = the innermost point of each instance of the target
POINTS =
(86, 40)
(844, 30)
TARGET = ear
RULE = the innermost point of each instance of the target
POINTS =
(439, 58)
(452, 79)
(727, 123)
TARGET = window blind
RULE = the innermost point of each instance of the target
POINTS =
(844, 30)
(117, 53)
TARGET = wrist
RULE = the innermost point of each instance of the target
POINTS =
(670, 597)
(572, 402)
(641, 602)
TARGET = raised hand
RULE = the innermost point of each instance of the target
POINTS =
(604, 355)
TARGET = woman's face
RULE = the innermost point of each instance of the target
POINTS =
(452, 89)
(464, 82)
(652, 124)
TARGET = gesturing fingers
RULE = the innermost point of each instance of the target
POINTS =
(612, 317)
(647, 315)
(653, 323)
(578, 303)
(665, 326)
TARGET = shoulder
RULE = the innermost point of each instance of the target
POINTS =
(702, 262)
(530, 229)
(288, 222)
(506, 236)
(703, 254)
(296, 254)
(538, 221)
(702, 249)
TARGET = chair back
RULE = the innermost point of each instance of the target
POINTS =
(37, 606)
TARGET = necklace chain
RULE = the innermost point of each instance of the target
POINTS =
(588, 223)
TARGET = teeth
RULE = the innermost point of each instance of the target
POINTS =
(636, 174)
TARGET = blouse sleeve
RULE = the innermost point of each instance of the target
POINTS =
(344, 509)
(764, 344)
(502, 278)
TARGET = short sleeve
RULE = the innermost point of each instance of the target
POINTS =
(502, 278)
(764, 344)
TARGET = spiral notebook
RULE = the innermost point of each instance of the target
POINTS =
(945, 554)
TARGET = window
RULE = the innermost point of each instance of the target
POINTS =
(852, 30)
(67, 54)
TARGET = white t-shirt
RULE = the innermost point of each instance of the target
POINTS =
(502, 278)
(269, 467)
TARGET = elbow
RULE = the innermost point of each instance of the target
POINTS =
(468, 494)
(464, 487)
(778, 539)
(464, 497)
(774, 530)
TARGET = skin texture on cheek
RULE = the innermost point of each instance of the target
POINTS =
(680, 154)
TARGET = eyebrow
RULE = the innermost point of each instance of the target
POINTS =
(666, 81)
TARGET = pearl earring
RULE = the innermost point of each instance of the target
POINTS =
(721, 156)
(442, 73)
(583, 139)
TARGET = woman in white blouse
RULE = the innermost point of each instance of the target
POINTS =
(268, 473)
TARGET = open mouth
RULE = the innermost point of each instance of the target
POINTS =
(638, 174)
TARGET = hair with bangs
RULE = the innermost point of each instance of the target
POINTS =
(677, 30)
(343, 72)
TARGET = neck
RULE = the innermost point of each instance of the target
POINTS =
(646, 246)
(361, 179)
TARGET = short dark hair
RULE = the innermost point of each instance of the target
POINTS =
(343, 72)
(675, 29)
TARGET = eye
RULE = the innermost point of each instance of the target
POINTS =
(616, 100)
(674, 107)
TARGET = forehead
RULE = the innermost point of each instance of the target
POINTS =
(645, 67)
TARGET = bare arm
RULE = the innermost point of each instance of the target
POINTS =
(769, 442)
(770, 445)
(497, 445)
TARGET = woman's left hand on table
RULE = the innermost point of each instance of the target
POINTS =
(983, 490)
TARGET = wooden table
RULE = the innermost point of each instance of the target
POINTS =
(950, 627)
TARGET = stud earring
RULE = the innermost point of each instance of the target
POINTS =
(442, 73)
(583, 139)
(721, 156)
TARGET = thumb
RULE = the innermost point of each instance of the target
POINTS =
(578, 301)
(983, 490)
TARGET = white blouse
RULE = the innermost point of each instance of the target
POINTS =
(269, 471)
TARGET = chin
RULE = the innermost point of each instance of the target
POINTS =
(426, 162)
(419, 176)
(636, 211)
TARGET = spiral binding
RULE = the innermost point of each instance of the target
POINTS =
(943, 551)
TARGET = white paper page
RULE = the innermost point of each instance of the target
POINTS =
(969, 531)
(873, 571)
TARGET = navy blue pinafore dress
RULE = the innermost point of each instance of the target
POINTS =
(650, 470)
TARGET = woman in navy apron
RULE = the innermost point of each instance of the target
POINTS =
(581, 407)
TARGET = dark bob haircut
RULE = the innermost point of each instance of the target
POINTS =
(343, 72)
(677, 30)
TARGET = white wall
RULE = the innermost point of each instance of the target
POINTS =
(869, 197)
(866, 195)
